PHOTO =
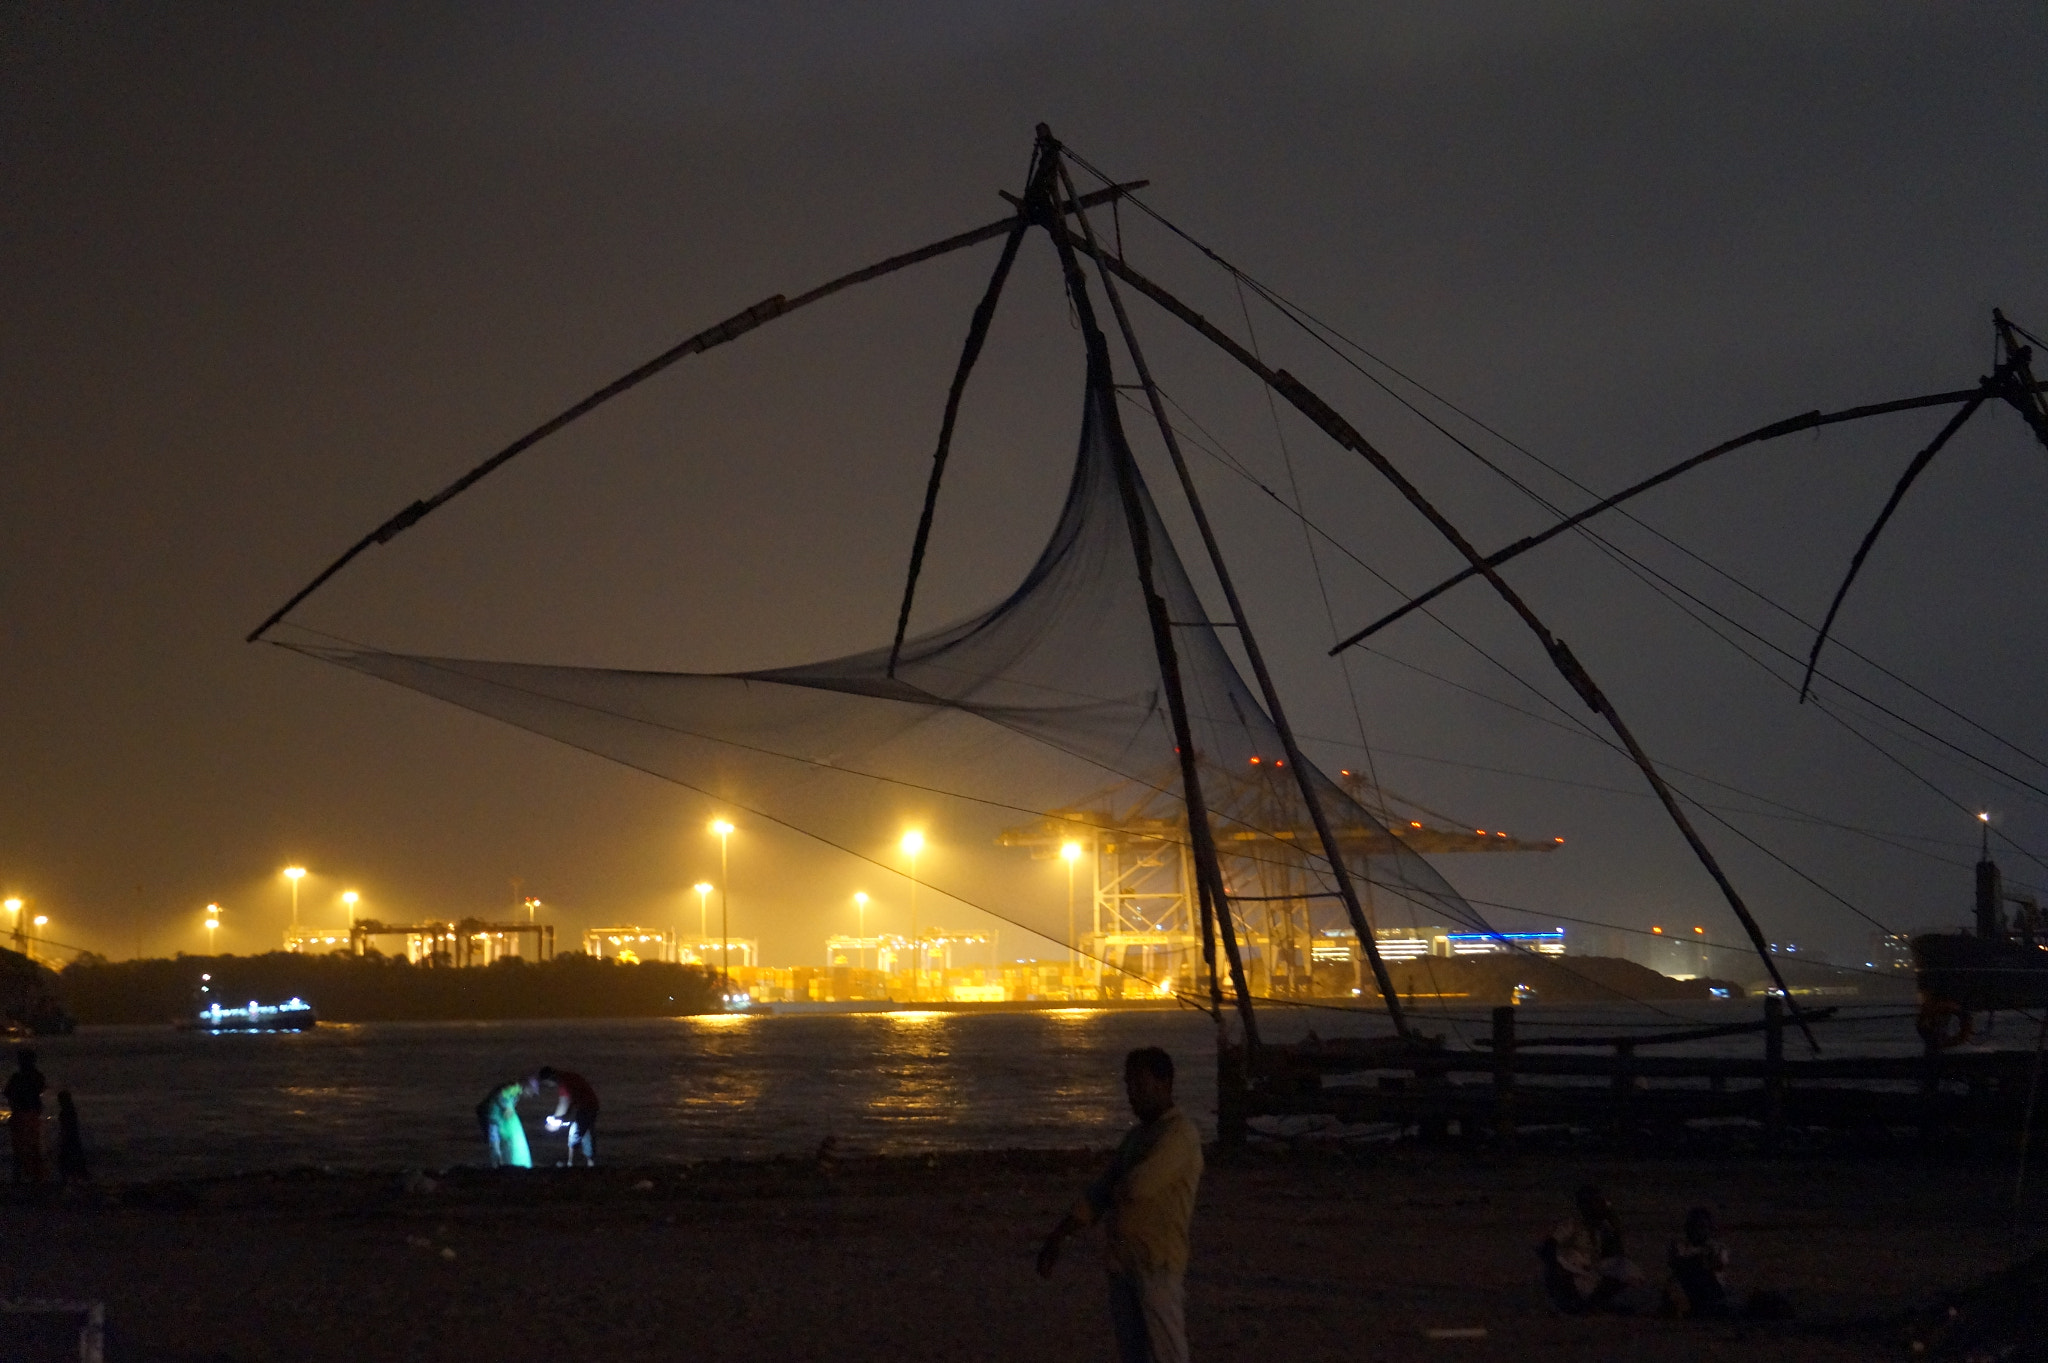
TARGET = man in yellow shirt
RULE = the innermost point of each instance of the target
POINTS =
(1144, 1200)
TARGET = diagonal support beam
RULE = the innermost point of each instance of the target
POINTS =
(1913, 471)
(977, 334)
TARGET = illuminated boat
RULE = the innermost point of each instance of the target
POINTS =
(293, 1015)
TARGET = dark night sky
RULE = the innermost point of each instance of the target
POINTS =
(270, 274)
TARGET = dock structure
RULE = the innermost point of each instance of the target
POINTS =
(460, 942)
(1607, 1086)
(631, 942)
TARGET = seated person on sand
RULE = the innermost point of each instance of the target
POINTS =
(1699, 1267)
(1584, 1266)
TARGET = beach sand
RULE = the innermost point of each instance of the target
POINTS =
(1297, 1258)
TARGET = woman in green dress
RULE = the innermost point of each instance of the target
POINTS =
(498, 1116)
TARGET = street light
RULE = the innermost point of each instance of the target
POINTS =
(913, 843)
(1070, 852)
(14, 924)
(724, 831)
(860, 905)
(351, 898)
(42, 920)
(295, 874)
(212, 925)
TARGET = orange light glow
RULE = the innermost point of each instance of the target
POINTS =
(1659, 931)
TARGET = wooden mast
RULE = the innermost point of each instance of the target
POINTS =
(1303, 780)
(1039, 203)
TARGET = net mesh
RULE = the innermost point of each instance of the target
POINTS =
(1003, 736)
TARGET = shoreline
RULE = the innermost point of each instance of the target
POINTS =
(928, 1257)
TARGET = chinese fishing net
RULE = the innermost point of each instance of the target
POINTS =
(1003, 737)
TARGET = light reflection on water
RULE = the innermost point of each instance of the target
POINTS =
(394, 1095)
(397, 1095)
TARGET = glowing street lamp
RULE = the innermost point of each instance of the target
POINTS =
(913, 843)
(42, 921)
(860, 906)
(703, 889)
(351, 899)
(724, 831)
(14, 922)
(212, 925)
(295, 874)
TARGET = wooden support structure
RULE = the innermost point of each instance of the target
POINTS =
(1511, 1083)
(1504, 1077)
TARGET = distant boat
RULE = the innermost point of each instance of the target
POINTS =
(293, 1015)
(2002, 966)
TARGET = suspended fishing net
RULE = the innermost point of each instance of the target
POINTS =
(1001, 738)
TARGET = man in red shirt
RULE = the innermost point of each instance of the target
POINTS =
(575, 1110)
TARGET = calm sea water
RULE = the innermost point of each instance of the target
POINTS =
(156, 1102)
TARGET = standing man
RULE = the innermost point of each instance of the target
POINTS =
(25, 1117)
(1145, 1200)
(575, 1110)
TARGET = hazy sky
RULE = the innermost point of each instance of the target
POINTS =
(269, 274)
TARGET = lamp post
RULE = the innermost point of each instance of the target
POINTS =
(1070, 852)
(703, 889)
(295, 874)
(350, 898)
(42, 921)
(913, 843)
(14, 921)
(212, 925)
(860, 907)
(724, 831)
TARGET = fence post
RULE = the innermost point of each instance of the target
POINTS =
(1774, 1069)
(1623, 1089)
(1504, 1077)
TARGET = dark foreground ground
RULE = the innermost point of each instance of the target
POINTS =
(1297, 1259)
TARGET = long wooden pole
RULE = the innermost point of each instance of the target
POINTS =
(1102, 391)
(970, 351)
(1303, 778)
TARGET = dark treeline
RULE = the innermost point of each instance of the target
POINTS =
(386, 989)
